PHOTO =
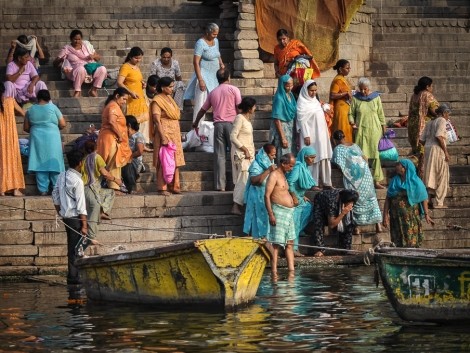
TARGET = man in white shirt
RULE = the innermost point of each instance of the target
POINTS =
(68, 196)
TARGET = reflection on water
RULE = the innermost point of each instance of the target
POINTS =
(335, 310)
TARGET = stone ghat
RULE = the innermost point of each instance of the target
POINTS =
(32, 242)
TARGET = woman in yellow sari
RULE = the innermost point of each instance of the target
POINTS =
(130, 77)
(165, 128)
(113, 142)
(340, 99)
(286, 51)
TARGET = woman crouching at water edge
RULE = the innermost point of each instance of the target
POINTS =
(357, 176)
(406, 203)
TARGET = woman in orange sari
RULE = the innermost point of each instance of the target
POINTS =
(286, 51)
(11, 169)
(165, 129)
(340, 99)
(113, 142)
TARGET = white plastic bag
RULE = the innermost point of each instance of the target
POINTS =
(206, 135)
(192, 140)
(452, 135)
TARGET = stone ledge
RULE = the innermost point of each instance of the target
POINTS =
(462, 23)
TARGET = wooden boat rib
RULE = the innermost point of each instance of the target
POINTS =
(427, 285)
(223, 271)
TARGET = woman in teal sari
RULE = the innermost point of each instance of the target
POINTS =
(283, 116)
(405, 205)
(300, 180)
(256, 216)
(357, 176)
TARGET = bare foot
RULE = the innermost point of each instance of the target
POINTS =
(163, 193)
(77, 94)
(377, 185)
(236, 209)
(17, 193)
(93, 92)
(317, 188)
(274, 276)
(318, 254)
(357, 231)
(328, 187)
(2, 194)
(105, 216)
(298, 254)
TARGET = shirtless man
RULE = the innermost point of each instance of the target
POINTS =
(280, 207)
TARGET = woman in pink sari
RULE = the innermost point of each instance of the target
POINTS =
(79, 62)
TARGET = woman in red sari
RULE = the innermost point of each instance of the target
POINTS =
(286, 51)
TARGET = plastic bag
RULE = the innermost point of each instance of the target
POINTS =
(390, 155)
(206, 134)
(385, 144)
(167, 159)
(192, 140)
(452, 135)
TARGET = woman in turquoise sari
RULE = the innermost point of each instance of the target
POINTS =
(283, 116)
(256, 216)
(300, 180)
(405, 205)
(357, 176)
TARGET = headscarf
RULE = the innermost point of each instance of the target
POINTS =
(361, 97)
(168, 105)
(306, 105)
(414, 187)
(283, 108)
(263, 161)
(300, 172)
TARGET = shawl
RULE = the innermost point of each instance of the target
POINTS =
(31, 46)
(343, 85)
(307, 105)
(283, 108)
(286, 55)
(412, 185)
(168, 106)
(80, 53)
(361, 97)
(263, 161)
(300, 172)
(90, 168)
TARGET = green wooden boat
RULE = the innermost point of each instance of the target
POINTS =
(425, 284)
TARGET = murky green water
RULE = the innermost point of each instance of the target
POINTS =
(329, 310)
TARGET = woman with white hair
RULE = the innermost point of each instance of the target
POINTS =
(206, 62)
(367, 118)
(436, 156)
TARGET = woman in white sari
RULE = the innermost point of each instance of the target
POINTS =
(311, 124)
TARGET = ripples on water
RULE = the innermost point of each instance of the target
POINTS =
(330, 310)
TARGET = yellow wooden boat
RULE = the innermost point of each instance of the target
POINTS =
(220, 271)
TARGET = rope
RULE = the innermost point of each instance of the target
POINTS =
(95, 242)
(348, 251)
(370, 253)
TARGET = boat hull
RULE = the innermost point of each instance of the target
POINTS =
(426, 285)
(224, 272)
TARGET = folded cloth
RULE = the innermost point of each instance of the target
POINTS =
(284, 230)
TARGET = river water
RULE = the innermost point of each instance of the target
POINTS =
(328, 310)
